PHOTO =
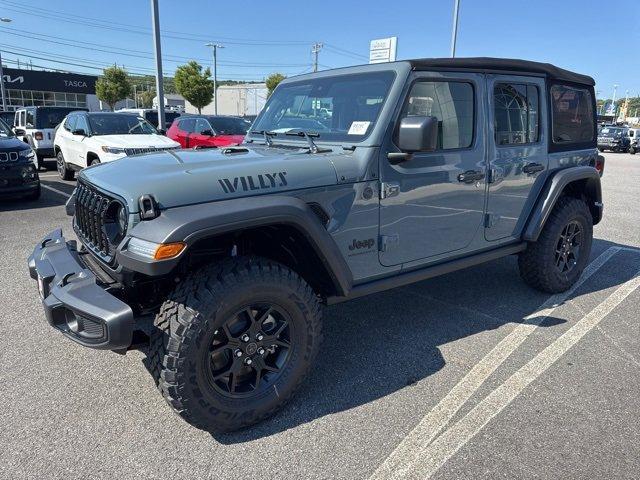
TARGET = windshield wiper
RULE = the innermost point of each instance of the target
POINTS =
(313, 148)
(267, 136)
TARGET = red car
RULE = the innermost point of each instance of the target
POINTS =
(207, 130)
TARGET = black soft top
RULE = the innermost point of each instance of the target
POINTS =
(503, 64)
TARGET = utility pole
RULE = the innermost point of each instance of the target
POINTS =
(4, 95)
(454, 30)
(215, 48)
(315, 49)
(159, 78)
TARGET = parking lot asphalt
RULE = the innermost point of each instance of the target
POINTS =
(469, 375)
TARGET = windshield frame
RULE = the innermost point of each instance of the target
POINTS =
(361, 71)
(114, 114)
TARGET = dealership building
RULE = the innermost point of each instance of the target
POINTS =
(26, 88)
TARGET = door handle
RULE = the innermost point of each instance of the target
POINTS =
(471, 176)
(532, 168)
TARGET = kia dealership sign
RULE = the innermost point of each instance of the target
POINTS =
(49, 81)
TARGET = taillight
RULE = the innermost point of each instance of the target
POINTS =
(599, 166)
(38, 136)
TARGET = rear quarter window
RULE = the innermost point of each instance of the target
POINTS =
(572, 116)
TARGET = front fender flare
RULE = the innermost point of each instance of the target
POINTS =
(553, 189)
(194, 222)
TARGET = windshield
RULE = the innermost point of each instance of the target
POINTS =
(612, 131)
(119, 124)
(338, 108)
(229, 125)
(5, 131)
(51, 117)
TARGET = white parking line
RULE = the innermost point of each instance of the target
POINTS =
(431, 457)
(55, 190)
(406, 454)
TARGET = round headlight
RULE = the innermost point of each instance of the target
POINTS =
(115, 221)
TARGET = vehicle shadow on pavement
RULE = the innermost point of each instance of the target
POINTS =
(47, 198)
(378, 345)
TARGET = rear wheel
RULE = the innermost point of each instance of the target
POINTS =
(632, 150)
(556, 260)
(234, 341)
(63, 169)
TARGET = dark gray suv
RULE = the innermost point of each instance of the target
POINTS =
(351, 182)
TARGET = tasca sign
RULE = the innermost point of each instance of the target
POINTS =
(49, 81)
(383, 50)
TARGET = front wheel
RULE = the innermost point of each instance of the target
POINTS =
(234, 341)
(63, 169)
(556, 260)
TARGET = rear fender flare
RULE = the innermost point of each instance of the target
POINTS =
(554, 188)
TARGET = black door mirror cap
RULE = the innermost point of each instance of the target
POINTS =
(208, 132)
(418, 134)
(79, 131)
(19, 131)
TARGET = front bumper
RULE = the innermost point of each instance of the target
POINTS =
(18, 178)
(74, 302)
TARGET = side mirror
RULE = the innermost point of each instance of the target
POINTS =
(19, 131)
(79, 131)
(207, 132)
(162, 131)
(418, 134)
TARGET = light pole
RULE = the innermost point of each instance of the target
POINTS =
(159, 79)
(315, 49)
(215, 48)
(4, 96)
(454, 30)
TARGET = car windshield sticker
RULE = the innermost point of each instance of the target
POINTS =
(358, 128)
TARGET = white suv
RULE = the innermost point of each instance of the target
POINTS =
(86, 139)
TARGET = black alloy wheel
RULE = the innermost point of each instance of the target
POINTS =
(250, 350)
(568, 247)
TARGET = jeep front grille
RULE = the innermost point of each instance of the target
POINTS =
(91, 206)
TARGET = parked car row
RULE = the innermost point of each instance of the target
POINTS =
(79, 139)
(618, 139)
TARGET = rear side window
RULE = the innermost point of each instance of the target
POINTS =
(30, 120)
(572, 115)
(516, 113)
(70, 123)
(188, 125)
(452, 103)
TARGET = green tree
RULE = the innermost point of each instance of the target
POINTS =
(272, 82)
(194, 84)
(113, 86)
(145, 98)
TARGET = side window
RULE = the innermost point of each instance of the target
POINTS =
(16, 119)
(30, 119)
(70, 123)
(81, 122)
(452, 103)
(516, 113)
(572, 115)
(202, 124)
(188, 125)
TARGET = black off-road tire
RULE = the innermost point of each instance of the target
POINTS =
(197, 308)
(537, 262)
(632, 150)
(63, 169)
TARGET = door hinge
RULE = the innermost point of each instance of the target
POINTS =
(490, 220)
(389, 189)
(388, 241)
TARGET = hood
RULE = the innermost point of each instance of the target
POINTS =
(12, 144)
(184, 177)
(135, 141)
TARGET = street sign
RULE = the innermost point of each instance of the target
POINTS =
(383, 50)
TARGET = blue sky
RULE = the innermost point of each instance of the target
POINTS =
(265, 37)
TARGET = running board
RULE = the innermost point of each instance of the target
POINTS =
(428, 272)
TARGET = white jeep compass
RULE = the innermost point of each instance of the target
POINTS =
(89, 138)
